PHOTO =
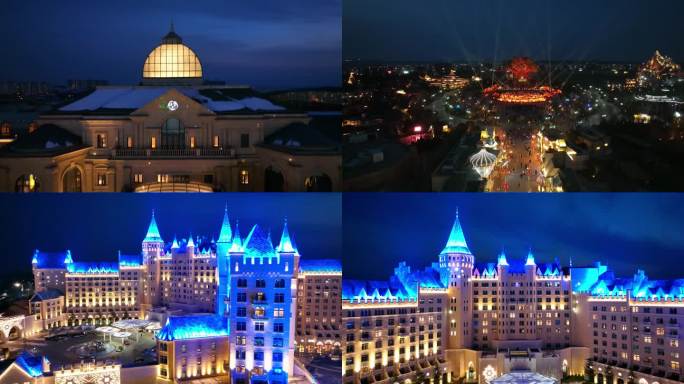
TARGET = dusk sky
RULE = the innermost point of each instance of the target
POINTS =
(485, 30)
(624, 231)
(264, 43)
(95, 226)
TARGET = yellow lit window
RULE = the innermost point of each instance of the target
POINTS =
(153, 142)
(192, 141)
(129, 142)
(244, 177)
(215, 141)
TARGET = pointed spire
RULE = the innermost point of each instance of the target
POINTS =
(237, 240)
(175, 243)
(286, 243)
(502, 258)
(172, 29)
(530, 258)
(191, 243)
(153, 231)
(456, 242)
(226, 233)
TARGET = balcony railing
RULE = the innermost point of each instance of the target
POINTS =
(164, 153)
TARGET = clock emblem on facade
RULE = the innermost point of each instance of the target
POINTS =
(172, 105)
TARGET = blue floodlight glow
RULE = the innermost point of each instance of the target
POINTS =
(153, 231)
(456, 242)
(98, 267)
(320, 266)
(286, 242)
(226, 234)
(193, 327)
(32, 365)
(130, 260)
(258, 244)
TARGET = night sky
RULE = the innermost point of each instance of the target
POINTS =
(624, 231)
(265, 43)
(95, 226)
(485, 30)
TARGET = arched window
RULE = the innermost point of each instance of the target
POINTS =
(72, 180)
(173, 134)
(27, 183)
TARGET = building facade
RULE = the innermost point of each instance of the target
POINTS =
(172, 133)
(319, 306)
(459, 319)
(229, 306)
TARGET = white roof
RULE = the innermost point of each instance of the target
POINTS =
(523, 377)
(138, 97)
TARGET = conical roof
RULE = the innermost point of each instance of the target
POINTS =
(153, 231)
(226, 234)
(286, 244)
(456, 242)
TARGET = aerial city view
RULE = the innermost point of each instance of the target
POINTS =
(511, 298)
(342, 192)
(170, 100)
(500, 96)
(191, 289)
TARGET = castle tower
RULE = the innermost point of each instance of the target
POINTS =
(262, 305)
(456, 265)
(152, 251)
(222, 248)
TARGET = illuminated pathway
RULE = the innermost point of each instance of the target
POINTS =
(520, 171)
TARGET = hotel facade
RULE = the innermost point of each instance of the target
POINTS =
(228, 306)
(513, 320)
(173, 132)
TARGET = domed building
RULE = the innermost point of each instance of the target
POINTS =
(172, 132)
(172, 63)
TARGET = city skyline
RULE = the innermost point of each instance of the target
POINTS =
(265, 44)
(91, 239)
(621, 231)
(495, 30)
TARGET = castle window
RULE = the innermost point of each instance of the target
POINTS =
(244, 177)
(102, 179)
(153, 142)
(215, 141)
(138, 178)
(129, 142)
(101, 140)
(192, 142)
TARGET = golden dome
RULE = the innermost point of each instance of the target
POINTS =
(172, 60)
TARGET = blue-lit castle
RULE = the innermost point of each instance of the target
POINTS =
(515, 320)
(226, 307)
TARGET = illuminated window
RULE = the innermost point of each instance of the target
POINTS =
(674, 364)
(278, 312)
(162, 178)
(244, 177)
(172, 60)
(215, 141)
(138, 178)
(153, 142)
(101, 140)
(101, 180)
(259, 311)
(129, 142)
(192, 142)
(27, 183)
(636, 357)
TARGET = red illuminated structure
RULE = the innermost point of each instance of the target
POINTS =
(518, 87)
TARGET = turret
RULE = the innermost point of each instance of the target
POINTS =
(153, 244)
(287, 247)
(223, 246)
